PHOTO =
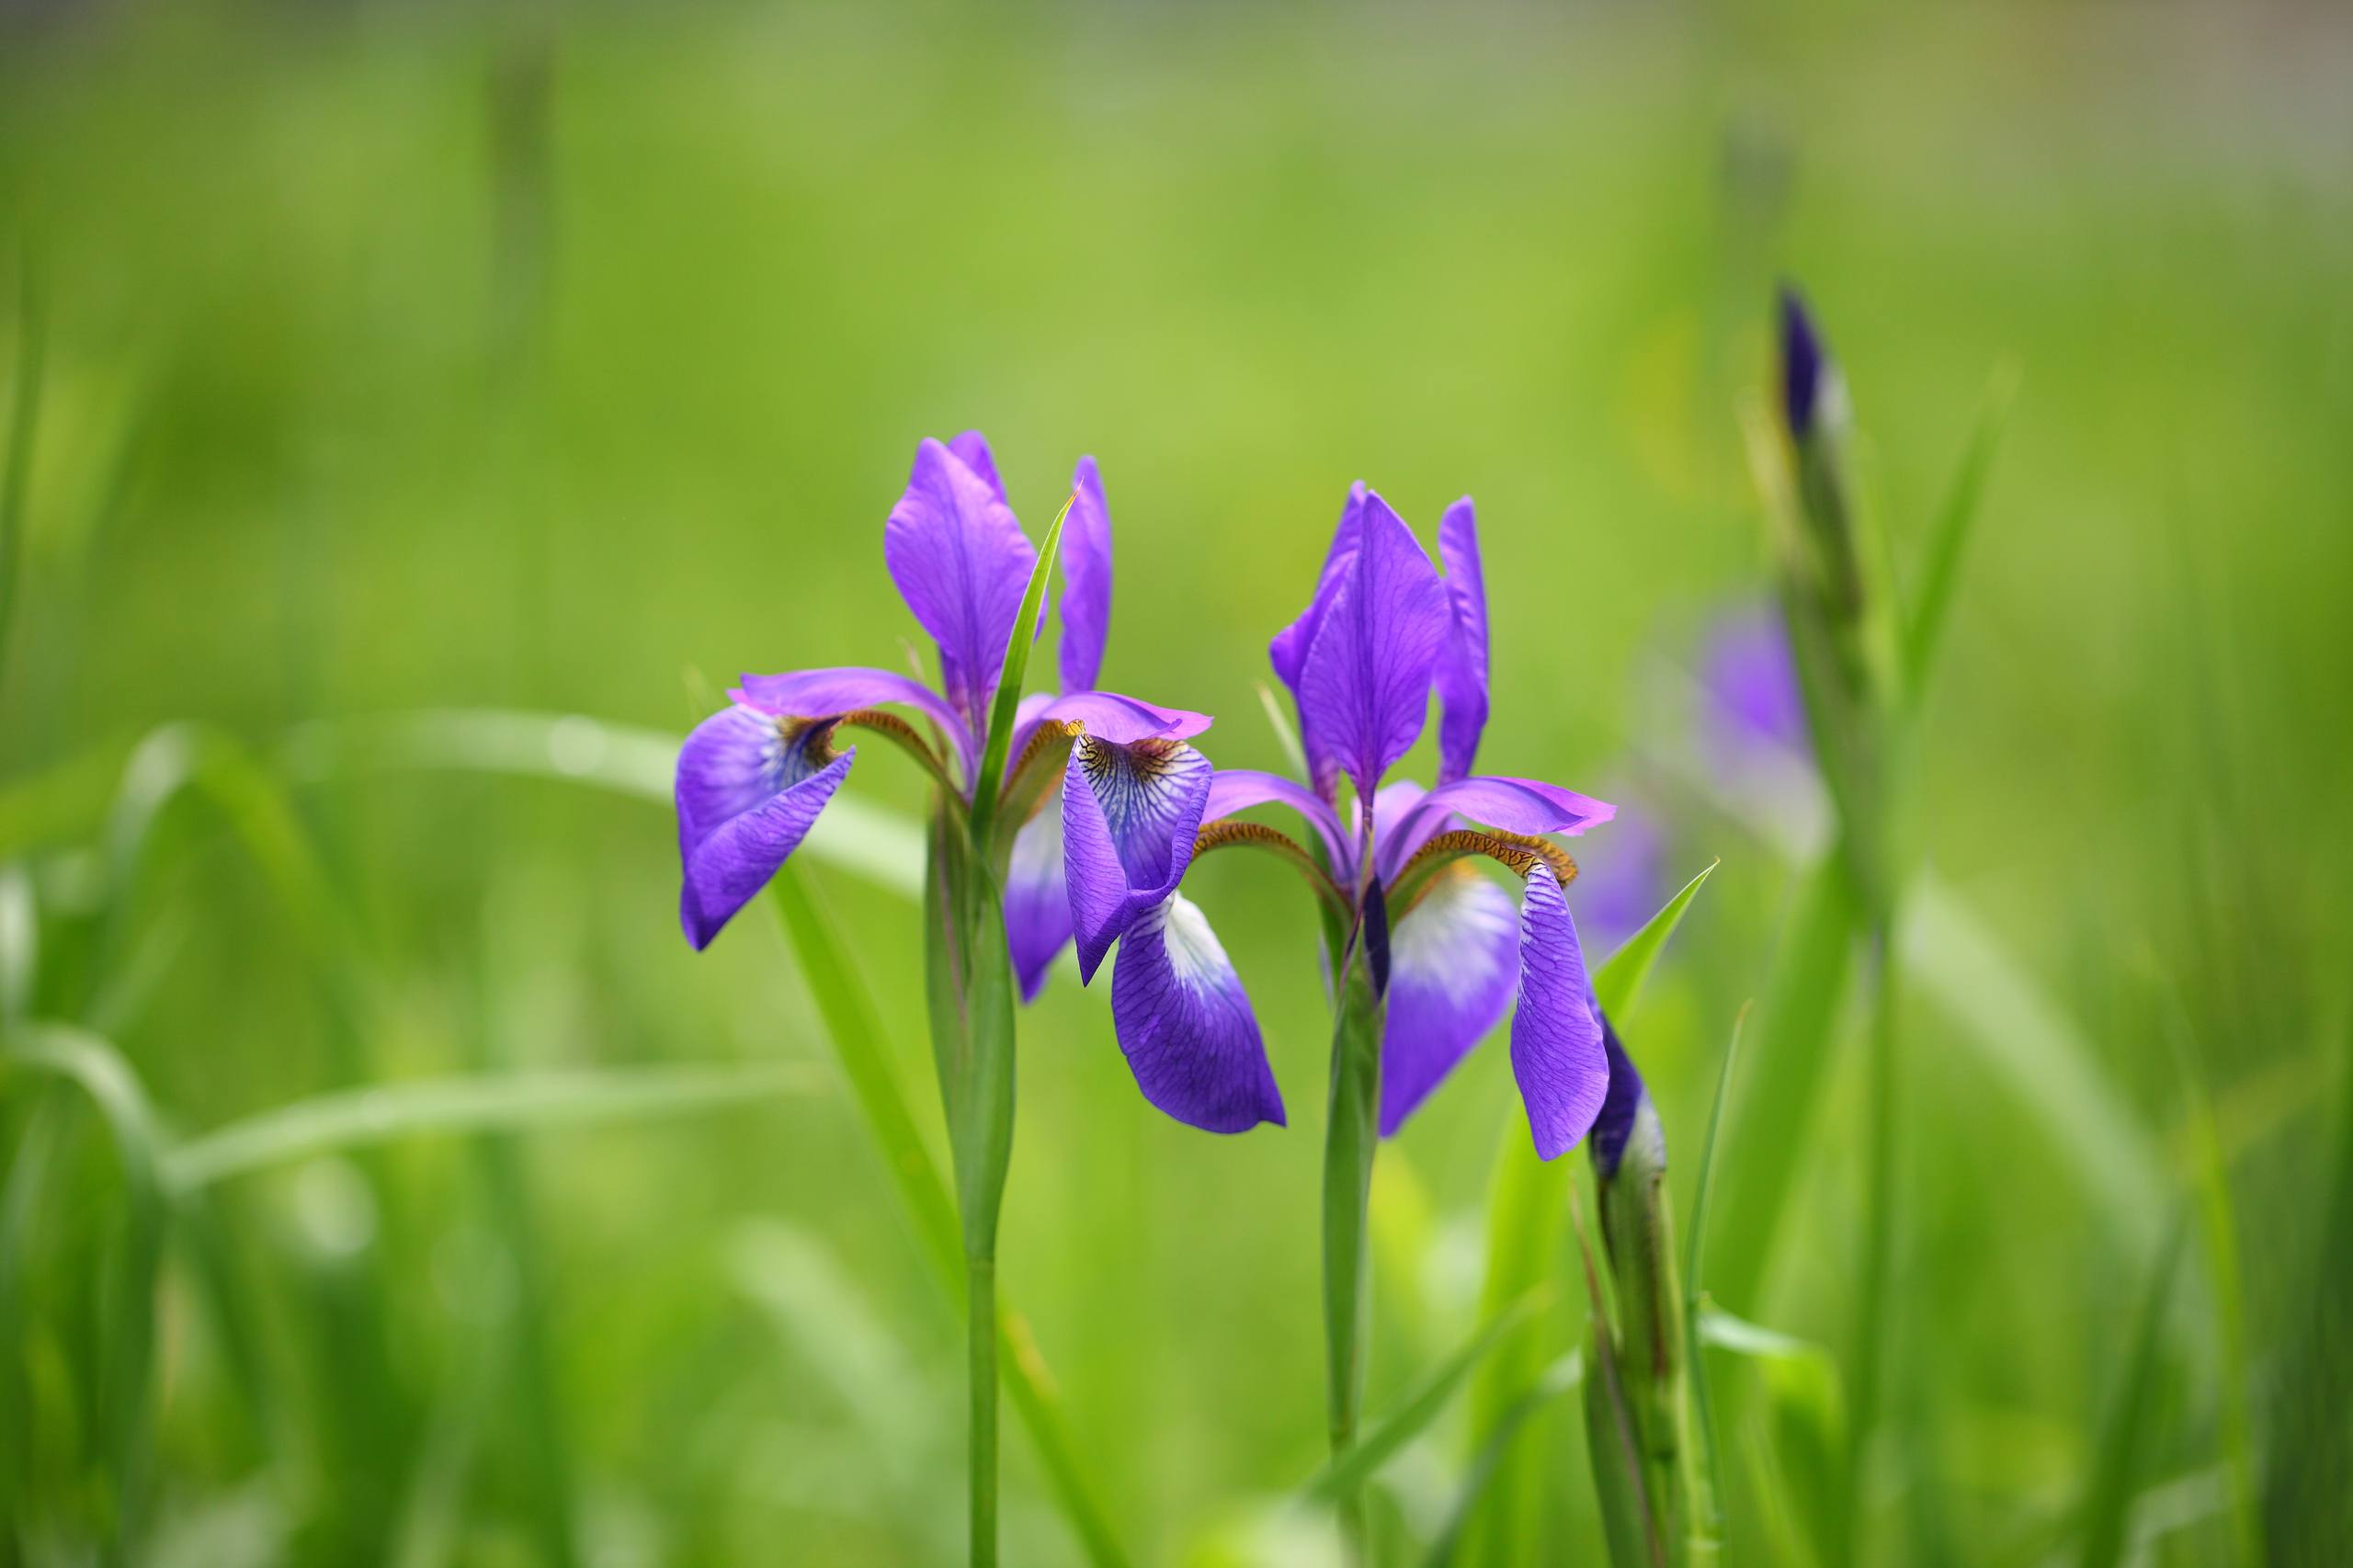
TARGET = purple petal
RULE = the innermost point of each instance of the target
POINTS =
(1515, 805)
(1453, 965)
(1364, 686)
(1556, 1049)
(962, 563)
(1238, 789)
(1186, 1025)
(1109, 716)
(1086, 578)
(1620, 1106)
(1129, 816)
(1461, 671)
(827, 694)
(1288, 651)
(746, 796)
(1037, 899)
(973, 448)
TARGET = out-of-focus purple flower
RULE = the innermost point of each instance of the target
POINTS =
(1382, 630)
(1751, 681)
(753, 777)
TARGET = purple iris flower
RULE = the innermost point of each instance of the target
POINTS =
(1445, 948)
(753, 777)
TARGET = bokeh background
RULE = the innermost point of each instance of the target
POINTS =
(566, 360)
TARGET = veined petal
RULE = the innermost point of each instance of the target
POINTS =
(962, 563)
(1288, 651)
(1364, 687)
(1461, 671)
(973, 448)
(747, 789)
(1037, 899)
(1556, 1049)
(1620, 1107)
(1515, 805)
(1086, 579)
(1129, 816)
(1238, 789)
(1186, 1025)
(1453, 966)
(828, 694)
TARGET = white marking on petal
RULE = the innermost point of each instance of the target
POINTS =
(1451, 941)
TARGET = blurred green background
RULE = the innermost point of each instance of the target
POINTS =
(568, 359)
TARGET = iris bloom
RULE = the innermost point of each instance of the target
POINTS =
(1444, 949)
(753, 777)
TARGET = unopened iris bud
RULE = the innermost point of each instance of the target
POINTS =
(1638, 1236)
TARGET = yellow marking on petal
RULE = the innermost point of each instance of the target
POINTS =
(1231, 832)
(1517, 853)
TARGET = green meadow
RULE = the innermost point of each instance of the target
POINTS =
(411, 417)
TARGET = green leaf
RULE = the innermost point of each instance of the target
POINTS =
(502, 1102)
(1008, 688)
(1555, 1382)
(2125, 1435)
(1807, 1427)
(879, 846)
(1788, 1059)
(1708, 1522)
(126, 1402)
(1348, 1472)
(17, 464)
(1617, 983)
(1949, 544)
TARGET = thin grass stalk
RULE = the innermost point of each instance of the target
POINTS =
(1878, 1231)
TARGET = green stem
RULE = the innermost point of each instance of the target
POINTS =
(1879, 1226)
(1351, 1134)
(980, 1310)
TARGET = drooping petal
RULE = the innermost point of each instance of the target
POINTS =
(1186, 1025)
(1288, 651)
(1129, 816)
(1461, 671)
(1087, 577)
(962, 563)
(1238, 789)
(1620, 1107)
(1109, 716)
(1556, 1051)
(1453, 966)
(1037, 899)
(1364, 686)
(747, 790)
(828, 694)
(974, 449)
(1515, 805)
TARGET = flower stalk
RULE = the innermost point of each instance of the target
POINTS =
(1351, 1135)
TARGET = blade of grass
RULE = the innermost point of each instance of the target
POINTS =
(878, 845)
(2125, 1435)
(1557, 1380)
(24, 423)
(126, 1366)
(1947, 546)
(1524, 1225)
(2219, 1227)
(29, 1171)
(485, 1102)
(1348, 1473)
(1695, 1293)
(1799, 1448)
(1286, 733)
(1788, 1058)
